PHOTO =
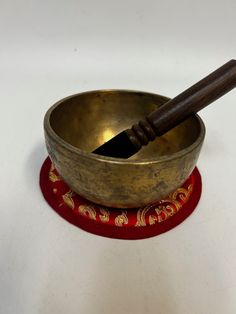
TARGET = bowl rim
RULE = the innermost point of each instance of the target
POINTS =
(48, 129)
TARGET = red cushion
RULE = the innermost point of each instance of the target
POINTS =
(135, 223)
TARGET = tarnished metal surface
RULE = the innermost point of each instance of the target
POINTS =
(78, 124)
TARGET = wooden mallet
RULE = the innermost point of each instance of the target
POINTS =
(172, 113)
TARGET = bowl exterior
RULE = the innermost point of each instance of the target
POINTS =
(113, 183)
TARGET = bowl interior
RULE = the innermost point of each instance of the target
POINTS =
(89, 119)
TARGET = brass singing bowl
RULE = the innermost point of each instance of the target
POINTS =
(78, 124)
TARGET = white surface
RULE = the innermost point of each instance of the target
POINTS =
(51, 49)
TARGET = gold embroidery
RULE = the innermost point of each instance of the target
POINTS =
(121, 219)
(173, 201)
(52, 176)
(163, 216)
(88, 210)
(166, 208)
(105, 215)
(141, 216)
(182, 193)
(152, 220)
(67, 198)
(171, 209)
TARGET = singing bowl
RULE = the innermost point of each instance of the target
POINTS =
(78, 124)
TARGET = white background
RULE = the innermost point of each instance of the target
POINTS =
(51, 49)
